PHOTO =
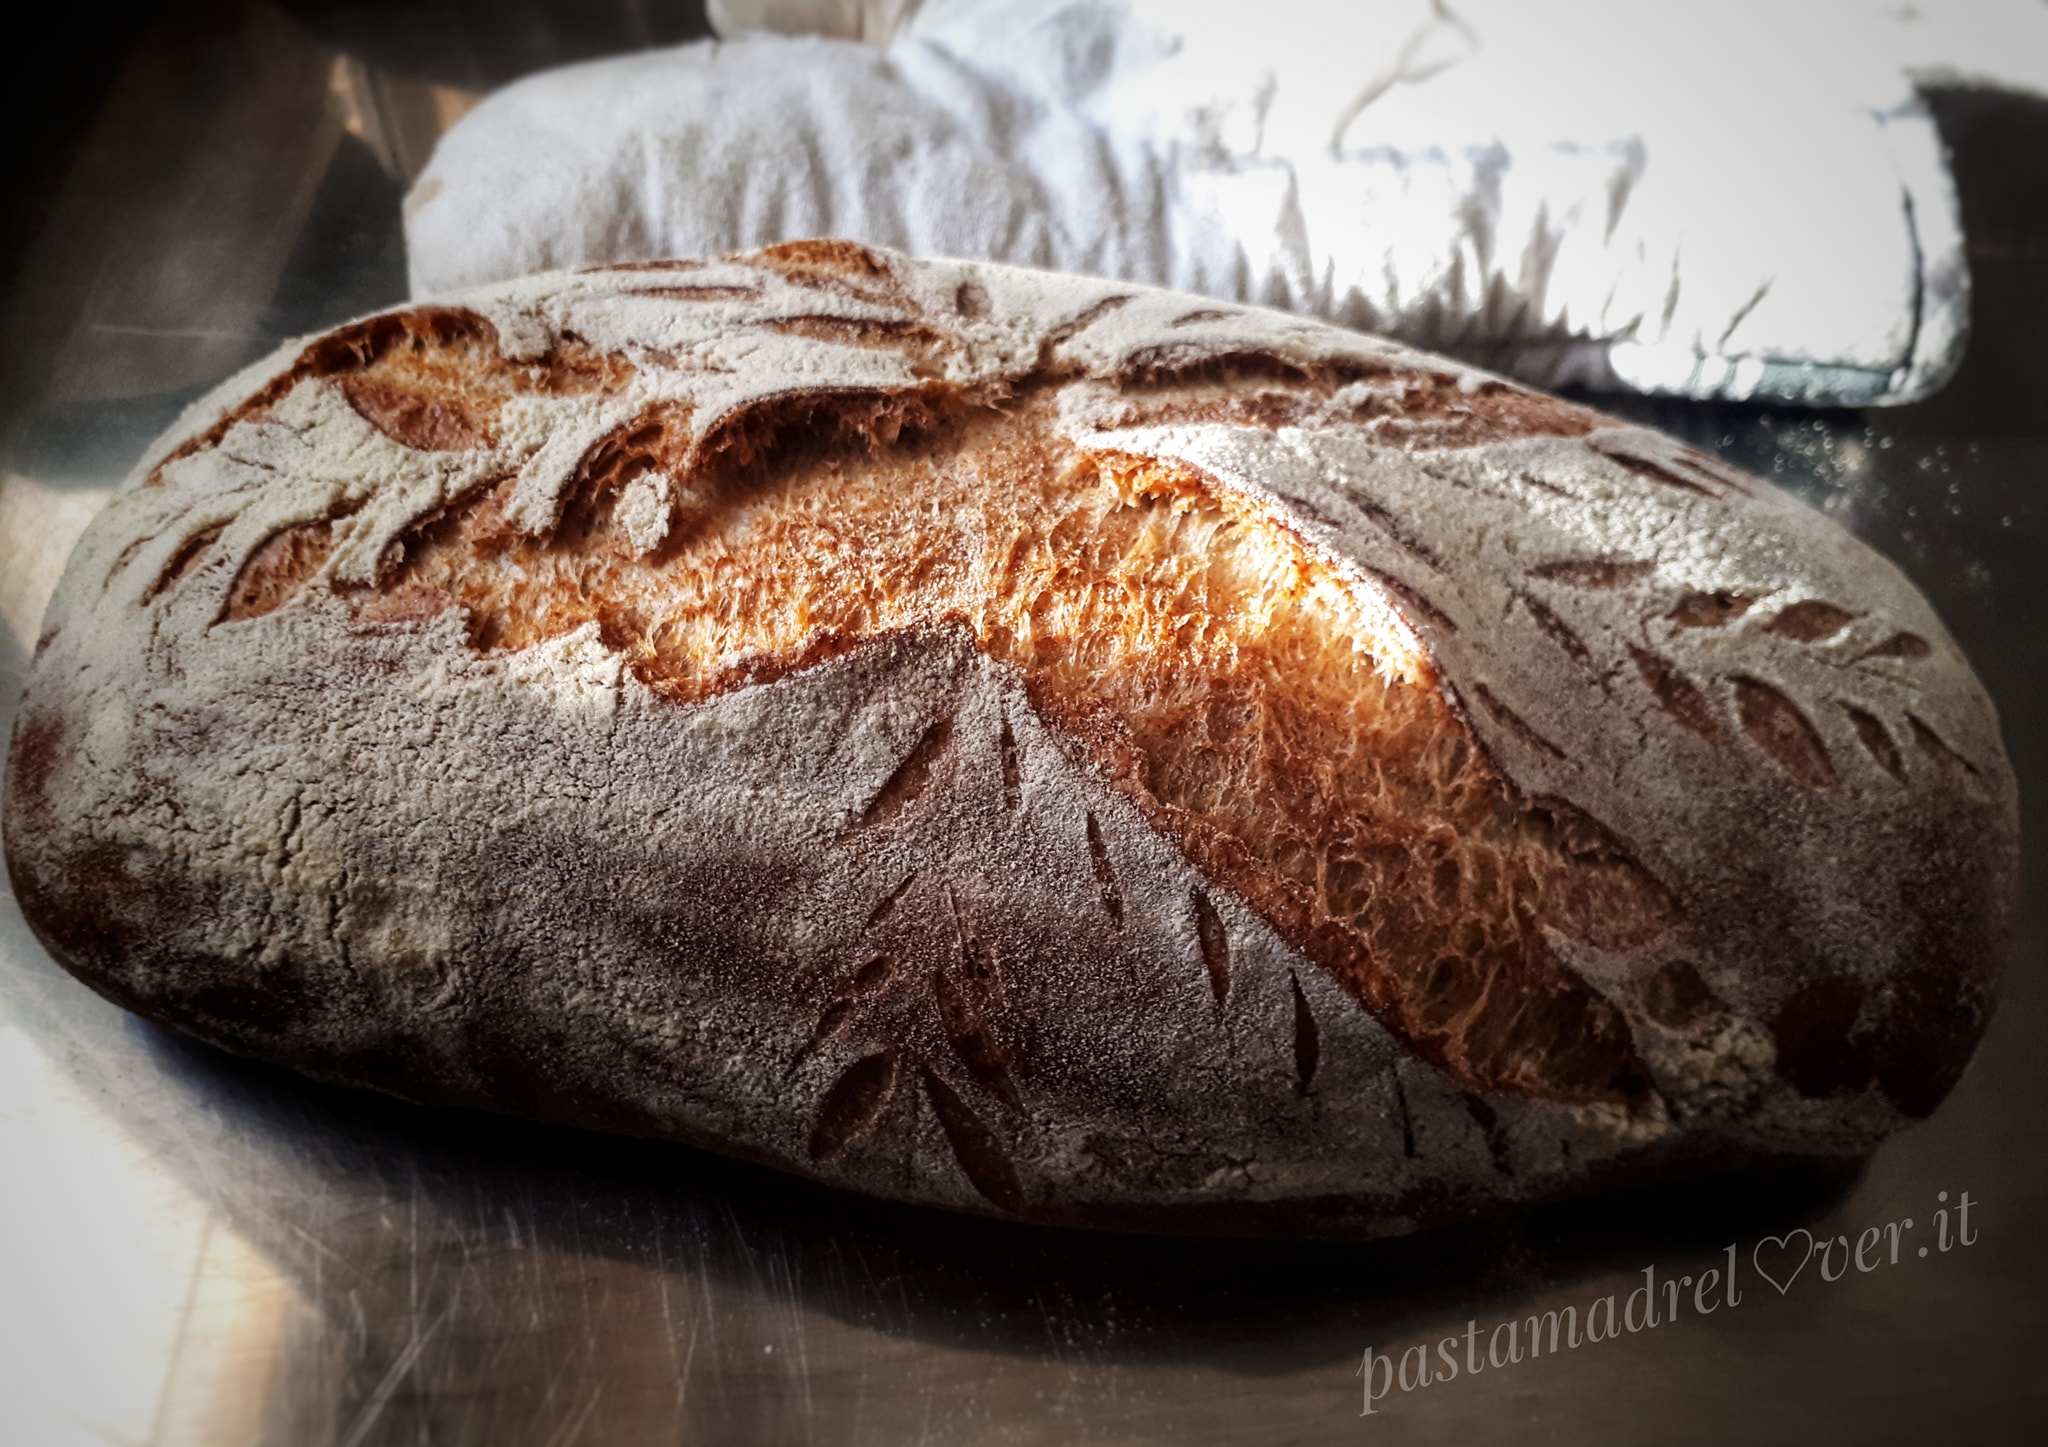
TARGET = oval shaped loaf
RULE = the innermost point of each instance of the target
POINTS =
(1012, 742)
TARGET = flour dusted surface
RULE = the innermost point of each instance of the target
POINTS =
(889, 911)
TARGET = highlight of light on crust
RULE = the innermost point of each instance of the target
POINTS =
(1288, 575)
(1263, 707)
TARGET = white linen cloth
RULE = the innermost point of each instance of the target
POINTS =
(1737, 199)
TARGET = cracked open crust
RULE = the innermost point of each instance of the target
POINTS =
(1012, 742)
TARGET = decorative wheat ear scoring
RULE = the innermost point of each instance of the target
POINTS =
(1012, 741)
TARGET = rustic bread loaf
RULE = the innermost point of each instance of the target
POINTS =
(1012, 742)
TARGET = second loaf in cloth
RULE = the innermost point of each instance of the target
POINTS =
(1012, 742)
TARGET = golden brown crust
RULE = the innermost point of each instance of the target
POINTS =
(427, 377)
(1202, 655)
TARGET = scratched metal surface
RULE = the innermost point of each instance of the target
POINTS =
(195, 1250)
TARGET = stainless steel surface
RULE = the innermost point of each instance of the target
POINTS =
(197, 1250)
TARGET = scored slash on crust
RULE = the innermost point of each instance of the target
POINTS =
(964, 998)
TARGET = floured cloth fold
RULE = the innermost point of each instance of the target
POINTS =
(1738, 200)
